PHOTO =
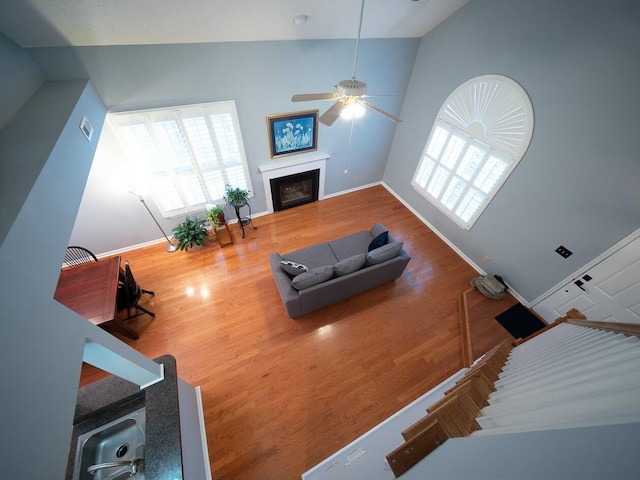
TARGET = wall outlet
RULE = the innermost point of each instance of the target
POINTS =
(564, 251)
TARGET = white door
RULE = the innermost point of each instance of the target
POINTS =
(609, 291)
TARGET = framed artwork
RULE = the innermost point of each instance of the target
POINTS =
(292, 133)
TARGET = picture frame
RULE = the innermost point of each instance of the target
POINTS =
(292, 133)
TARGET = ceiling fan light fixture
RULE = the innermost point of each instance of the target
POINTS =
(352, 110)
(351, 88)
(349, 96)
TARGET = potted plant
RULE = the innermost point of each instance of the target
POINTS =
(235, 196)
(216, 216)
(190, 233)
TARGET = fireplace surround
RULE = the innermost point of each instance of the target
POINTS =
(292, 166)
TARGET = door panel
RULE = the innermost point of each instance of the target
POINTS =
(609, 291)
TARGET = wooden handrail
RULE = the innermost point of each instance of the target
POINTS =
(575, 317)
(631, 329)
(465, 329)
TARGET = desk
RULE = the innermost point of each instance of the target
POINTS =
(91, 291)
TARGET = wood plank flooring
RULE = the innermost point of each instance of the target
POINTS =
(280, 395)
(485, 330)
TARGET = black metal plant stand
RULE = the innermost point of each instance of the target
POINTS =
(244, 221)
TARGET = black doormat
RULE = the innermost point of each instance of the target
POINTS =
(519, 321)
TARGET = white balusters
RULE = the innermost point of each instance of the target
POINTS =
(569, 376)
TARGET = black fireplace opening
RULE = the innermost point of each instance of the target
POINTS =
(295, 190)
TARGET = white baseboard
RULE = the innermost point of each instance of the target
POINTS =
(460, 253)
(355, 189)
(203, 434)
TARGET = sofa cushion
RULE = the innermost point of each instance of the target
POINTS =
(293, 268)
(313, 277)
(384, 253)
(313, 256)
(378, 241)
(350, 264)
(350, 245)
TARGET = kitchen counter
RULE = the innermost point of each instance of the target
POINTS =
(106, 400)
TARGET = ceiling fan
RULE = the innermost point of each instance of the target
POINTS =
(350, 94)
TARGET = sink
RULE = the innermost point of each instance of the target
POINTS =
(120, 442)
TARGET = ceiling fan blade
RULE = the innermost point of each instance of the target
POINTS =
(381, 112)
(371, 95)
(306, 97)
(330, 116)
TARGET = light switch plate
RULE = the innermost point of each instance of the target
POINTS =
(564, 251)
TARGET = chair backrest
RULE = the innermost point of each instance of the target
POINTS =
(76, 256)
(129, 292)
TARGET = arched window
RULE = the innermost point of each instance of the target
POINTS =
(481, 133)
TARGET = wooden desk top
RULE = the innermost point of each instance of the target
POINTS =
(91, 290)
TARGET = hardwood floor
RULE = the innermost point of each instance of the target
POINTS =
(485, 331)
(280, 395)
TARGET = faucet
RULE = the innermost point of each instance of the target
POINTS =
(133, 464)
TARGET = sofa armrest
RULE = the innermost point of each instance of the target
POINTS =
(288, 294)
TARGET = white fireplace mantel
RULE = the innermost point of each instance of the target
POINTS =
(296, 164)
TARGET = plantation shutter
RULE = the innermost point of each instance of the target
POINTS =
(189, 153)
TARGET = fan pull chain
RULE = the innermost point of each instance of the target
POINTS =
(346, 163)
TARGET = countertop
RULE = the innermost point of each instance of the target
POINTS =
(106, 400)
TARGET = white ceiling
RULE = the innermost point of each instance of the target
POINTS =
(49, 23)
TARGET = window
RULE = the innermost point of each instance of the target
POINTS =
(481, 132)
(189, 153)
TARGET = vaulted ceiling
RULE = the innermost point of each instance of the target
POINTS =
(50, 23)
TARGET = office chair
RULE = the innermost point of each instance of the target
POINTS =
(76, 256)
(129, 293)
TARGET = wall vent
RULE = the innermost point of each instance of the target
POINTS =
(86, 128)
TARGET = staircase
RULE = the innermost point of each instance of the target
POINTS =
(572, 374)
(454, 415)
(575, 377)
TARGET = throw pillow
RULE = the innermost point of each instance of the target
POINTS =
(350, 264)
(379, 241)
(384, 253)
(313, 277)
(293, 268)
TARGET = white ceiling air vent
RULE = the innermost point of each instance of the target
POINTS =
(86, 127)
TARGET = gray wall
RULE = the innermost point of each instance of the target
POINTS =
(261, 77)
(578, 184)
(24, 80)
(46, 159)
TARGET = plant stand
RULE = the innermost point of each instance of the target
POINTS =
(243, 221)
(223, 234)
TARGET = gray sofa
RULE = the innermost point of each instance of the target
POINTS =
(337, 269)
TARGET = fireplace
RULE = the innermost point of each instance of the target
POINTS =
(291, 166)
(295, 190)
